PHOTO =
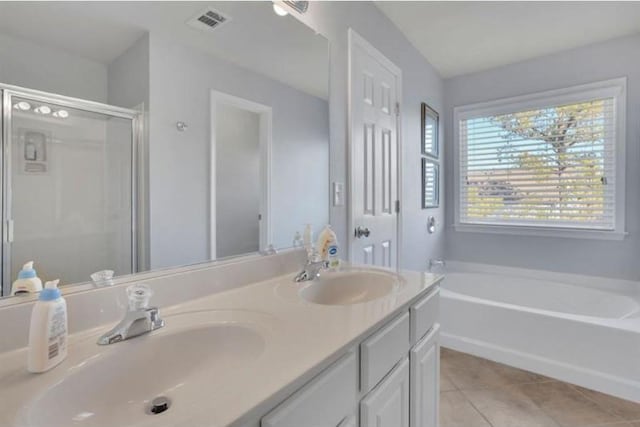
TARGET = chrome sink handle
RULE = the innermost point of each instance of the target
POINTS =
(311, 271)
(312, 267)
(139, 319)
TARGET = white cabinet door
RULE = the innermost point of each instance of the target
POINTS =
(329, 400)
(380, 352)
(388, 404)
(425, 380)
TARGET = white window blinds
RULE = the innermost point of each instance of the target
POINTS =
(545, 167)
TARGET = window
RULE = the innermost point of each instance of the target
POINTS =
(430, 150)
(430, 183)
(549, 162)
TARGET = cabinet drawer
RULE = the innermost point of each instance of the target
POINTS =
(380, 352)
(424, 314)
(388, 404)
(330, 399)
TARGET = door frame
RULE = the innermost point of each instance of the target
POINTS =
(265, 143)
(356, 41)
(6, 224)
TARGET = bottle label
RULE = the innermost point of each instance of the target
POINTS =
(57, 332)
(334, 261)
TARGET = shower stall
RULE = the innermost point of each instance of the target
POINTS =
(69, 186)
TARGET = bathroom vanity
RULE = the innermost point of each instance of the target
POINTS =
(175, 150)
(244, 345)
(388, 379)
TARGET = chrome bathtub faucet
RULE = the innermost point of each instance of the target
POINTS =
(139, 319)
(436, 264)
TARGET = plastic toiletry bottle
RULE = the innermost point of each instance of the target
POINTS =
(48, 330)
(307, 240)
(28, 281)
(333, 258)
(328, 247)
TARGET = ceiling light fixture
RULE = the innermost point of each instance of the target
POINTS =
(22, 106)
(43, 109)
(61, 114)
(279, 10)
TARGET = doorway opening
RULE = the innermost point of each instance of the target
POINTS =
(240, 176)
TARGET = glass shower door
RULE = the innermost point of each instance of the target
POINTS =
(69, 189)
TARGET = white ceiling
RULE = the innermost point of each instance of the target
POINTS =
(72, 27)
(465, 37)
(255, 38)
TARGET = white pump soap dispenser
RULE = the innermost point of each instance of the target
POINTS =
(48, 330)
(28, 281)
(327, 247)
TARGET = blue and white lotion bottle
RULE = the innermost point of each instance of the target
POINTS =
(48, 330)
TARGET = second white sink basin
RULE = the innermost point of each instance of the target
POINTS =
(350, 287)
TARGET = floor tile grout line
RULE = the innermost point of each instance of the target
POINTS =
(544, 411)
(502, 386)
(620, 421)
(484, 417)
(599, 405)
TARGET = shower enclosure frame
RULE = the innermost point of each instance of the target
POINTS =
(7, 92)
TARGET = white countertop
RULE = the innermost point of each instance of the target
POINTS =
(300, 339)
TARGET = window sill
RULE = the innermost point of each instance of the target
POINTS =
(541, 232)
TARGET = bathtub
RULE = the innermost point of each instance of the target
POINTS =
(578, 329)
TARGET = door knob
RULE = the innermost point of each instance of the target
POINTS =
(362, 232)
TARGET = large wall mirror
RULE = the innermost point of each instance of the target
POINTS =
(139, 136)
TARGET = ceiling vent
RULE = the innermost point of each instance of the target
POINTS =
(208, 20)
(298, 6)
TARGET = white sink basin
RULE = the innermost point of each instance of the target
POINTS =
(179, 362)
(351, 287)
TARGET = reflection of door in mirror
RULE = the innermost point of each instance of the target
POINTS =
(240, 146)
(69, 189)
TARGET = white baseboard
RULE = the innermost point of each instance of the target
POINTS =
(599, 381)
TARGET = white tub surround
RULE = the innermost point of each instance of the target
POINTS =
(285, 341)
(579, 329)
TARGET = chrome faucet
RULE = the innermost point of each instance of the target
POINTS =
(436, 264)
(139, 319)
(312, 268)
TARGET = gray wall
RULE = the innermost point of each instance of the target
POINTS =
(238, 188)
(615, 58)
(128, 76)
(128, 86)
(26, 64)
(421, 83)
(180, 83)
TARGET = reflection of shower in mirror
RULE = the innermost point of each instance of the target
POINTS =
(34, 149)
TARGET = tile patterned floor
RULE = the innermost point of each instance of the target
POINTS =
(476, 392)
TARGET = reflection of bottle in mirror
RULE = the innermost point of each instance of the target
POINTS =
(48, 330)
(307, 240)
(28, 281)
(297, 240)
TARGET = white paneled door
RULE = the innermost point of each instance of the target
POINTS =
(374, 91)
